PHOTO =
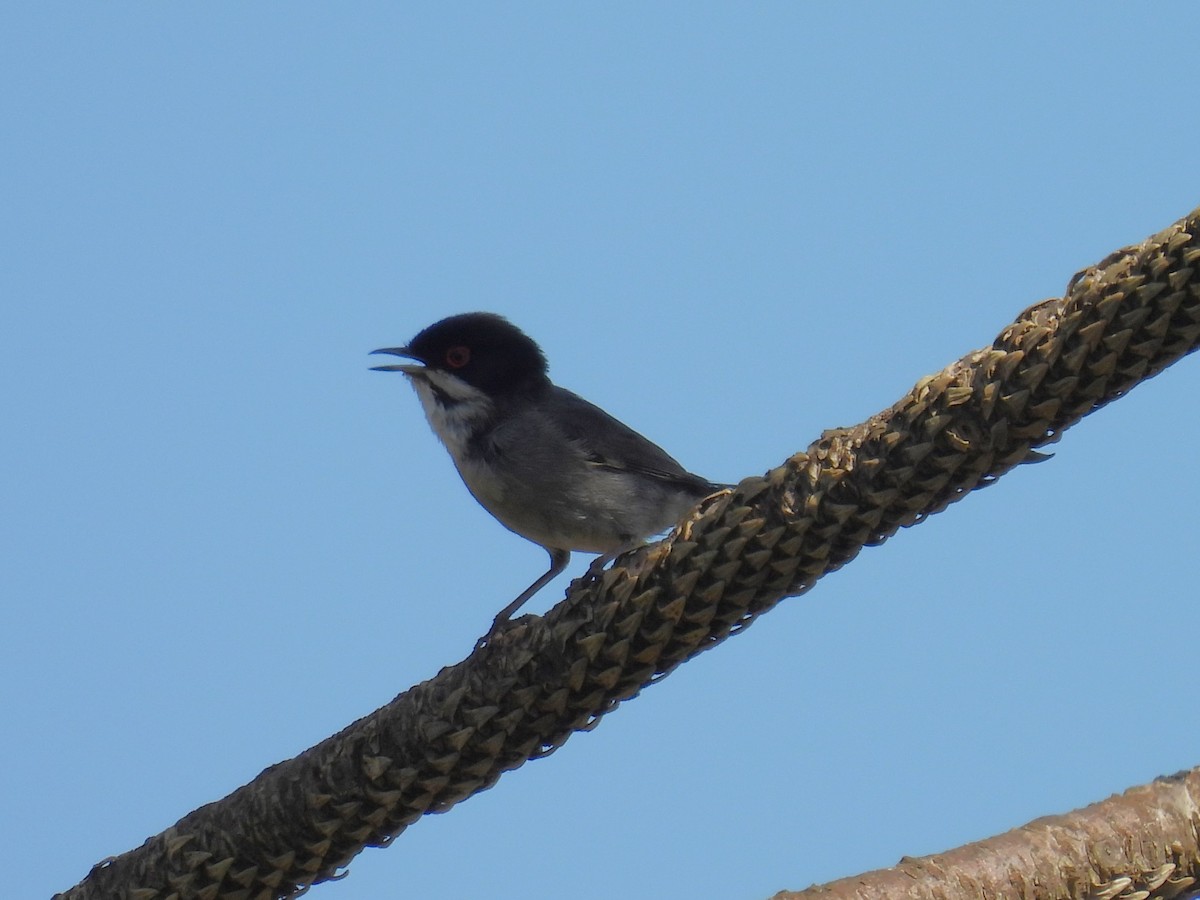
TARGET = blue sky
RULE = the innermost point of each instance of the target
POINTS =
(224, 538)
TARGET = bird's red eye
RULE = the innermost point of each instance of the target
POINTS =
(457, 357)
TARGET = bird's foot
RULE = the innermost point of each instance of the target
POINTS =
(500, 628)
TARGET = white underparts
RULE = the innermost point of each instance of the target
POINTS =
(453, 407)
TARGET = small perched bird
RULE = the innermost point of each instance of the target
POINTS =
(546, 463)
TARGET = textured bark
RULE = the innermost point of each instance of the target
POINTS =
(1142, 844)
(735, 557)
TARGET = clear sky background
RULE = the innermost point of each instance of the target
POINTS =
(730, 225)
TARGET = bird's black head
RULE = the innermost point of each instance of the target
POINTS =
(483, 349)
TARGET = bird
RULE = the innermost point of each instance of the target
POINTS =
(547, 464)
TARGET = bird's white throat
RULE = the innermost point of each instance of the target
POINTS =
(454, 408)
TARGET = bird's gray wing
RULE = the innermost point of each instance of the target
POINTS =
(610, 444)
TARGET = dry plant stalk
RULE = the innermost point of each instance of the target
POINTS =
(739, 554)
(1137, 846)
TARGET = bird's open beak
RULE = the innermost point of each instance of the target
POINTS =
(406, 368)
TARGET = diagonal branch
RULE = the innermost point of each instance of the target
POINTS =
(1141, 845)
(738, 555)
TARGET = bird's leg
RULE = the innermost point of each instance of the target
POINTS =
(604, 559)
(558, 562)
(593, 570)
